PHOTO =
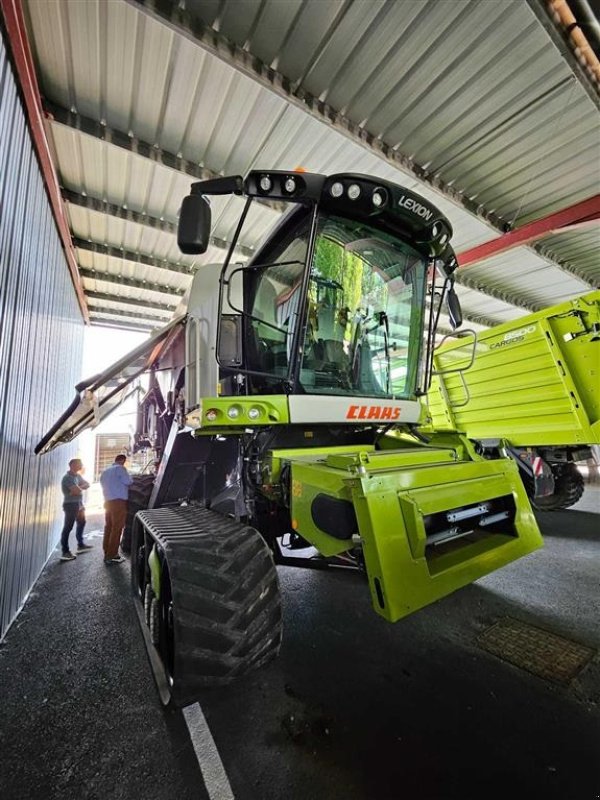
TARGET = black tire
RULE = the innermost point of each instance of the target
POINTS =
(568, 489)
(138, 499)
(220, 609)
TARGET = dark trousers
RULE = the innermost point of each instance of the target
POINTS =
(74, 513)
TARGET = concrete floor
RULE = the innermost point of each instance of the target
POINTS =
(354, 708)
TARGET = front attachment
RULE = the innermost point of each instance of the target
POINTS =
(429, 520)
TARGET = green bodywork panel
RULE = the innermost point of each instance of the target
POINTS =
(534, 381)
(392, 492)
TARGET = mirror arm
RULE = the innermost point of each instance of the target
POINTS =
(234, 184)
(223, 280)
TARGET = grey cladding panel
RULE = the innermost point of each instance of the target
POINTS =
(41, 340)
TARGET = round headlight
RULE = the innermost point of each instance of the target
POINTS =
(254, 413)
(337, 189)
(379, 198)
(211, 414)
(233, 412)
(289, 185)
(354, 191)
(265, 183)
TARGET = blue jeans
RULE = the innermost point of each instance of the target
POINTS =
(74, 513)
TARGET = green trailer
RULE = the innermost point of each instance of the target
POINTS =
(530, 387)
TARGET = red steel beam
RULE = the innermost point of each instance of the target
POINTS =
(23, 61)
(579, 215)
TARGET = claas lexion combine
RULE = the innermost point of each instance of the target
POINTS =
(284, 403)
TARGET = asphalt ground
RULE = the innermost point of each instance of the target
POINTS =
(354, 708)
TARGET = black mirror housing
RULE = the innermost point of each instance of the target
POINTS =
(193, 231)
(454, 309)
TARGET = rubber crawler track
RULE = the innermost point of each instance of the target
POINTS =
(225, 594)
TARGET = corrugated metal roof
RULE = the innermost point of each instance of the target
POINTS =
(470, 90)
(578, 247)
(471, 96)
(97, 227)
(496, 310)
(524, 278)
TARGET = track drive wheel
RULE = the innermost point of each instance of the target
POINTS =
(219, 613)
(568, 489)
(138, 499)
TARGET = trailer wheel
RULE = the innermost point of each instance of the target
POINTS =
(568, 489)
(219, 611)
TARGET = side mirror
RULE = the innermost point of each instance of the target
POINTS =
(193, 231)
(454, 309)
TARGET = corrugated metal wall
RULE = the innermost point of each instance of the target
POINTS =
(41, 342)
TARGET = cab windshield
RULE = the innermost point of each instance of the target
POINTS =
(362, 316)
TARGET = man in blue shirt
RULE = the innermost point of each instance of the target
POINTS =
(73, 487)
(115, 481)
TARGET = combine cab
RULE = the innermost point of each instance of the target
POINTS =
(291, 389)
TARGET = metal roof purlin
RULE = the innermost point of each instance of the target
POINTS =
(91, 127)
(152, 321)
(476, 319)
(130, 143)
(126, 214)
(497, 294)
(480, 319)
(182, 22)
(577, 272)
(129, 255)
(101, 322)
(131, 283)
(136, 301)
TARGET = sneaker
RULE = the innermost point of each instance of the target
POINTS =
(83, 548)
(68, 556)
(115, 560)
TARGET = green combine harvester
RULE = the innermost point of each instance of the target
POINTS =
(284, 404)
(531, 389)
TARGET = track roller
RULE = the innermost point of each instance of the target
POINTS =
(217, 612)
